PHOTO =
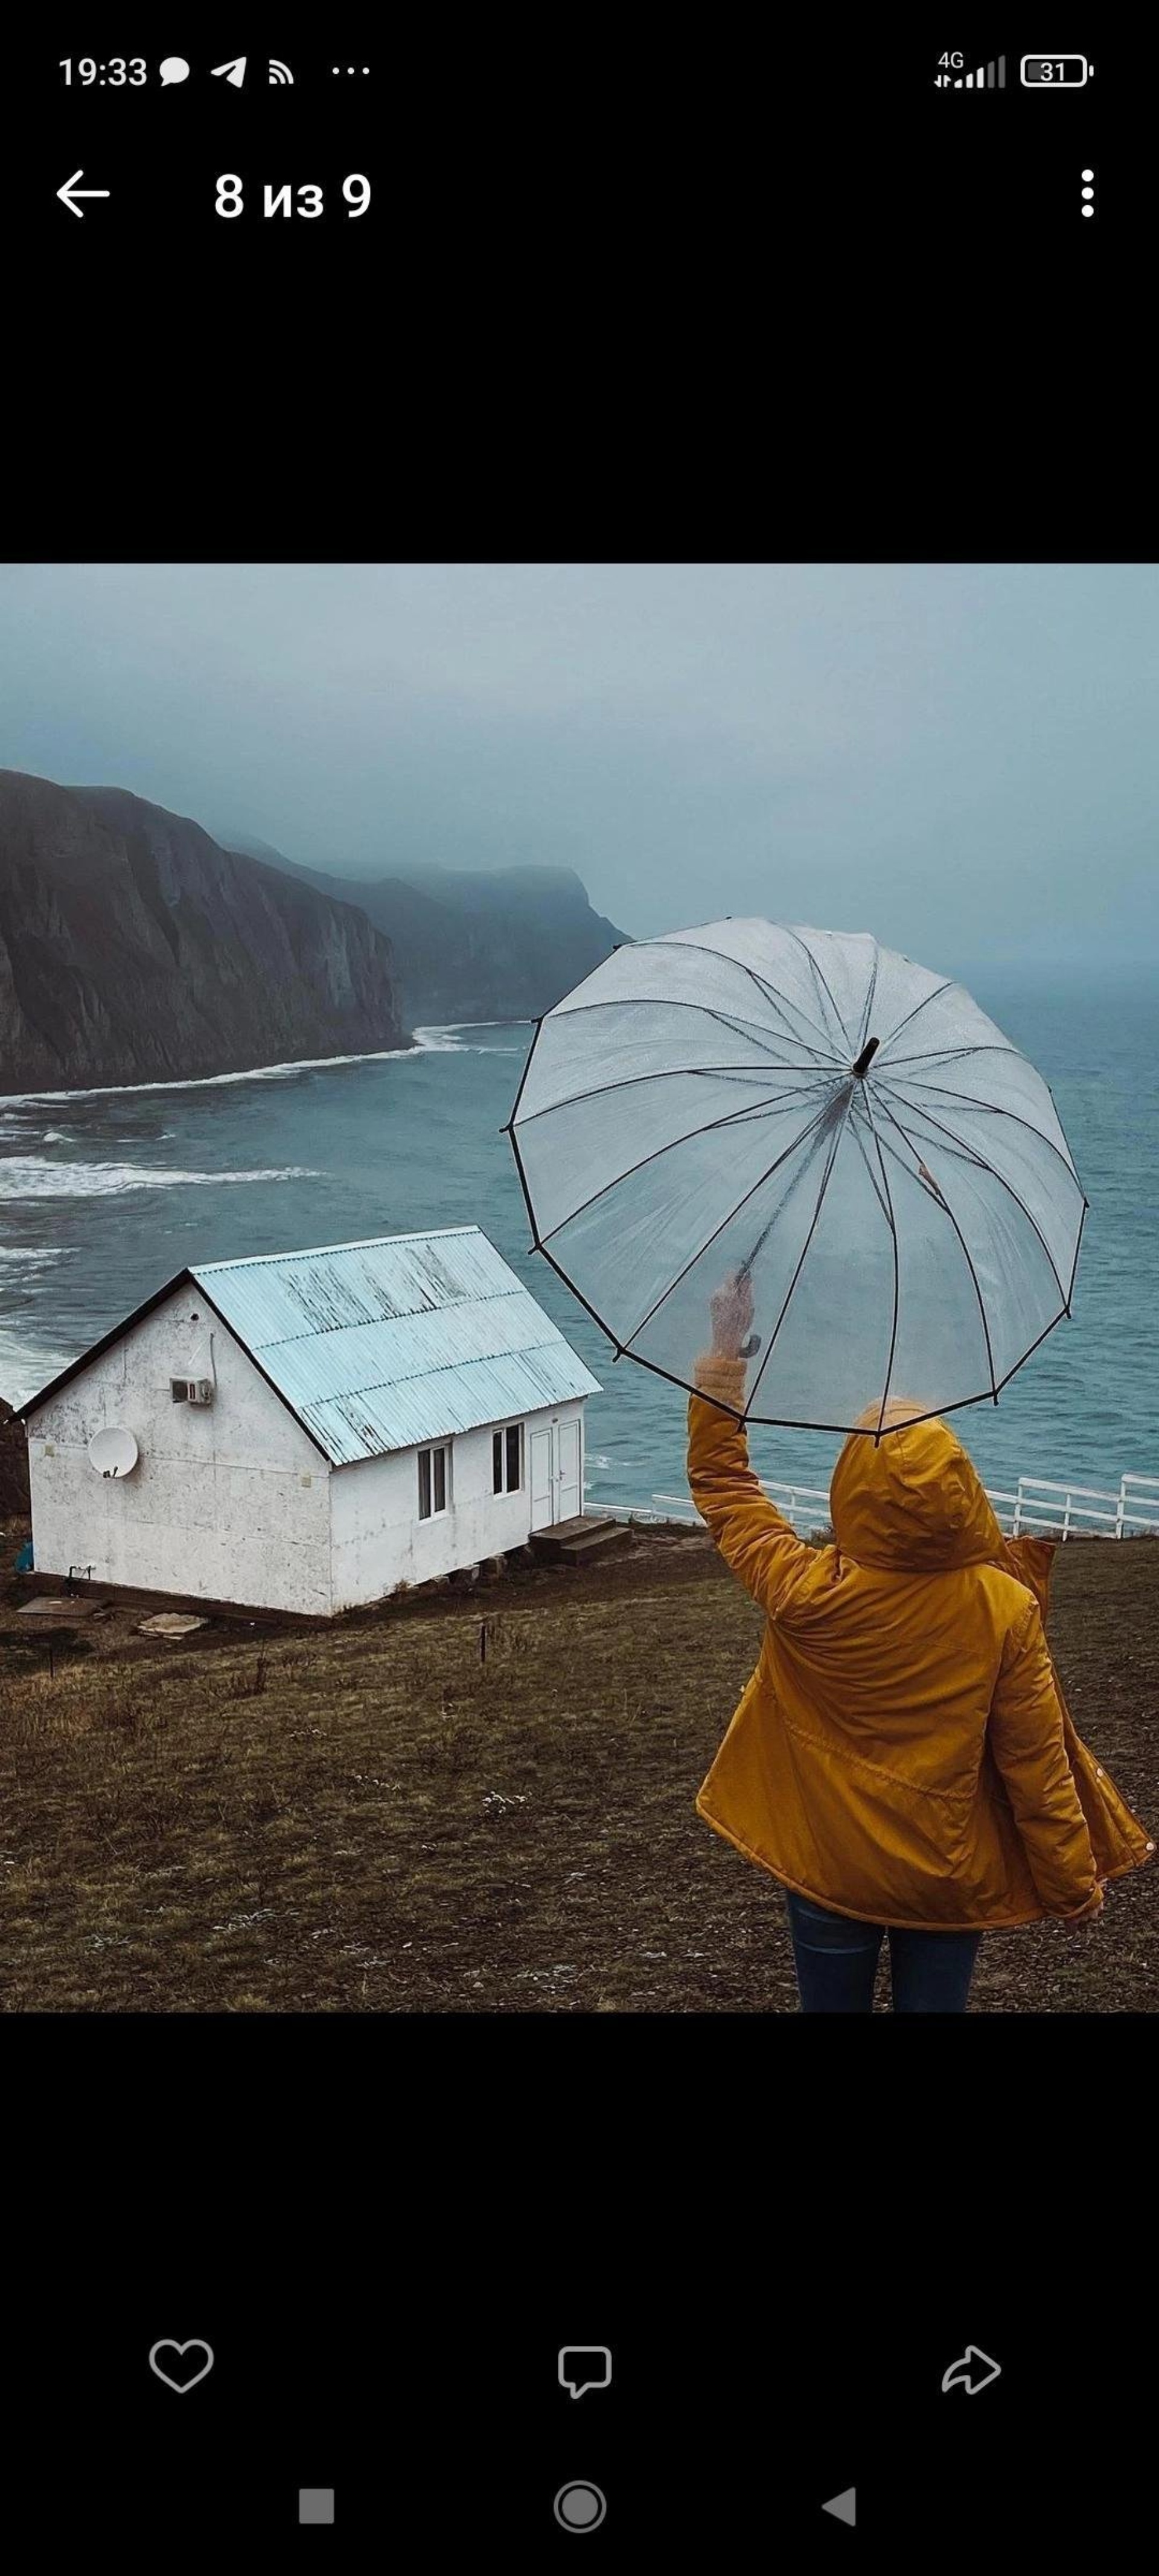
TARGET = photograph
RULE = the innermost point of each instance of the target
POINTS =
(580, 1430)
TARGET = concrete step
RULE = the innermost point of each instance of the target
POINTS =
(572, 1542)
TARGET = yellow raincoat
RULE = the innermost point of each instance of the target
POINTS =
(902, 1753)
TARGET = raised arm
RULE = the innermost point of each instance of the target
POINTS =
(1028, 1744)
(761, 1547)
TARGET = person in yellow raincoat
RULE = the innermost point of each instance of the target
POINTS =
(902, 1758)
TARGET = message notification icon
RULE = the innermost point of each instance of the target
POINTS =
(583, 2366)
(174, 68)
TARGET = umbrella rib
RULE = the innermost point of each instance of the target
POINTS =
(826, 1054)
(697, 948)
(1055, 1320)
(523, 1076)
(946, 1055)
(894, 1122)
(896, 1263)
(863, 1026)
(717, 1230)
(911, 1082)
(870, 1174)
(912, 1015)
(736, 1020)
(733, 1118)
(727, 1019)
(821, 978)
(840, 1131)
(972, 1155)
(676, 1073)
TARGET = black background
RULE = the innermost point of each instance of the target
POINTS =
(683, 290)
(386, 2229)
(672, 290)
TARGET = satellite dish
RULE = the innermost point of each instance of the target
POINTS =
(113, 1452)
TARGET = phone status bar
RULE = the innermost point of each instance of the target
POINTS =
(243, 72)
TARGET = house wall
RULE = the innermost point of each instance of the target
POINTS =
(229, 1502)
(378, 1538)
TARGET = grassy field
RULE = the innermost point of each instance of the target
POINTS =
(472, 1803)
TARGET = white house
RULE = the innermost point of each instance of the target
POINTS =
(304, 1430)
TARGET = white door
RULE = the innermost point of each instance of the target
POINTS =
(542, 1481)
(569, 1492)
(556, 1473)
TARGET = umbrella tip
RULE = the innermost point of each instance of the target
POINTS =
(865, 1058)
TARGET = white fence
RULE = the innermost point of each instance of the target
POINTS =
(1038, 1503)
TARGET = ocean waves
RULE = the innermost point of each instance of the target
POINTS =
(212, 1081)
(33, 1176)
(447, 1041)
(427, 1041)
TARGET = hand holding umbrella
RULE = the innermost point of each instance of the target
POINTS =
(732, 1314)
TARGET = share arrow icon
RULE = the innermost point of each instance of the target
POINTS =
(974, 2371)
(233, 72)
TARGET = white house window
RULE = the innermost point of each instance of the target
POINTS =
(507, 1459)
(434, 1480)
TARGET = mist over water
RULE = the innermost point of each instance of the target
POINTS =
(104, 1196)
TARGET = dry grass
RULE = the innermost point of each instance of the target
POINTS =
(373, 1817)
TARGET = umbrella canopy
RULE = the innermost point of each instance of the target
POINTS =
(842, 1127)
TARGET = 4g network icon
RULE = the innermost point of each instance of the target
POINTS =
(951, 75)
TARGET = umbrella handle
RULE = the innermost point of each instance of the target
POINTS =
(749, 1349)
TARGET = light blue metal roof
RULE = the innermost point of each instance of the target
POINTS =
(410, 1337)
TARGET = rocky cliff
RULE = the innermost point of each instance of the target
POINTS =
(133, 948)
(498, 944)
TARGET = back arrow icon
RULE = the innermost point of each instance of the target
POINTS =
(70, 192)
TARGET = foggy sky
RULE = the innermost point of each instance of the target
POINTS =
(963, 759)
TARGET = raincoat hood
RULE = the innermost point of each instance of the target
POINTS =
(912, 1502)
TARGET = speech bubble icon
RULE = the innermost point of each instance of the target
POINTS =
(583, 2366)
(173, 69)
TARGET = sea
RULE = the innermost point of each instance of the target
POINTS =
(104, 1195)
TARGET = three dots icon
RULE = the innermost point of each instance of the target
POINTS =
(1088, 192)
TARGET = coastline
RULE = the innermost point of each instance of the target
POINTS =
(422, 1043)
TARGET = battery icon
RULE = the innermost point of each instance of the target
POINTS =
(1055, 71)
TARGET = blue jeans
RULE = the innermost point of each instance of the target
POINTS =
(836, 1962)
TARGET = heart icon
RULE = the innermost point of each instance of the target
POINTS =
(175, 2370)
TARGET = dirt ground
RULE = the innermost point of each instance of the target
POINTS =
(472, 1802)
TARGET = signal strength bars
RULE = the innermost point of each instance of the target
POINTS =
(987, 76)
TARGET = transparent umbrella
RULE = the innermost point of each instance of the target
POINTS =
(840, 1126)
